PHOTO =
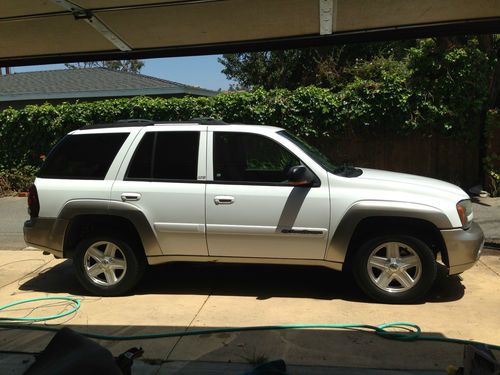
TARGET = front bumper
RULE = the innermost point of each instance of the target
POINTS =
(46, 234)
(463, 246)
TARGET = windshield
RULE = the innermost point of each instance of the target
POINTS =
(311, 151)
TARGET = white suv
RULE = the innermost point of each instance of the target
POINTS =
(116, 197)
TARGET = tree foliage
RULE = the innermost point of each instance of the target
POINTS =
(427, 60)
(132, 66)
(444, 82)
(451, 82)
(323, 67)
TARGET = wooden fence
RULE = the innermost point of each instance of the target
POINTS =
(439, 157)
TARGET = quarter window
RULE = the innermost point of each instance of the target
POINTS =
(83, 156)
(247, 157)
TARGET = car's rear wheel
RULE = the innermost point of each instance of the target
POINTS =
(395, 268)
(108, 266)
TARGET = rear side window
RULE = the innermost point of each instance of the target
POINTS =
(83, 156)
(166, 156)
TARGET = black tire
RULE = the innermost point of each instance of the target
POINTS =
(135, 264)
(423, 275)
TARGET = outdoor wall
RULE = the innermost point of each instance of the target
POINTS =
(439, 157)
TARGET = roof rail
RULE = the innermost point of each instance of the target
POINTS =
(137, 120)
(120, 124)
(144, 122)
(207, 121)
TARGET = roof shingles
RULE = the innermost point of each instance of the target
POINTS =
(56, 83)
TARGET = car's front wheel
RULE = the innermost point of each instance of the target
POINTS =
(395, 268)
(107, 266)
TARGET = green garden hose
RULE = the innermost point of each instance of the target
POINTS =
(413, 330)
(75, 301)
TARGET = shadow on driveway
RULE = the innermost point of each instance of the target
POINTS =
(314, 347)
(260, 281)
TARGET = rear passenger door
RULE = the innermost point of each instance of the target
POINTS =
(164, 176)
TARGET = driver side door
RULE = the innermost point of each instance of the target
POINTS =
(252, 210)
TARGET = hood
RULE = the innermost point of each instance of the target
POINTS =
(413, 180)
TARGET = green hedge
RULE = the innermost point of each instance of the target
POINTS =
(26, 133)
(311, 112)
(16, 179)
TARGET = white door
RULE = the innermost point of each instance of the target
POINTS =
(166, 180)
(252, 210)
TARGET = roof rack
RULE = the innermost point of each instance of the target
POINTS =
(120, 124)
(207, 121)
(134, 120)
(144, 122)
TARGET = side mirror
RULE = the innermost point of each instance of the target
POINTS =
(299, 175)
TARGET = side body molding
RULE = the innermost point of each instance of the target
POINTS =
(114, 208)
(339, 244)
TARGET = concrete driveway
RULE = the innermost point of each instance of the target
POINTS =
(180, 297)
(487, 215)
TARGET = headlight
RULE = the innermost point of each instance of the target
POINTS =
(464, 209)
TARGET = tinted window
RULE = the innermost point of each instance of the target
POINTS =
(175, 156)
(141, 166)
(311, 151)
(83, 156)
(250, 157)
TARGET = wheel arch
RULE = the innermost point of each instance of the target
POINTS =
(366, 219)
(86, 217)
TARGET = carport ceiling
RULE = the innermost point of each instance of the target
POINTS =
(47, 31)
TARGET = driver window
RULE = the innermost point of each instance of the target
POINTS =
(247, 157)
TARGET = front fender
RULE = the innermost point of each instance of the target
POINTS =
(339, 244)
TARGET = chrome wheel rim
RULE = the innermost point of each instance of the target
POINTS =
(104, 263)
(394, 267)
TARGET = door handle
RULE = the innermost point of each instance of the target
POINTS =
(223, 199)
(130, 197)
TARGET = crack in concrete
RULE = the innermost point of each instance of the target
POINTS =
(187, 328)
(488, 267)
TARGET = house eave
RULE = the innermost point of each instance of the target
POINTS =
(108, 94)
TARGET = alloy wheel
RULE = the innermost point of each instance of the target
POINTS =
(394, 267)
(105, 263)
